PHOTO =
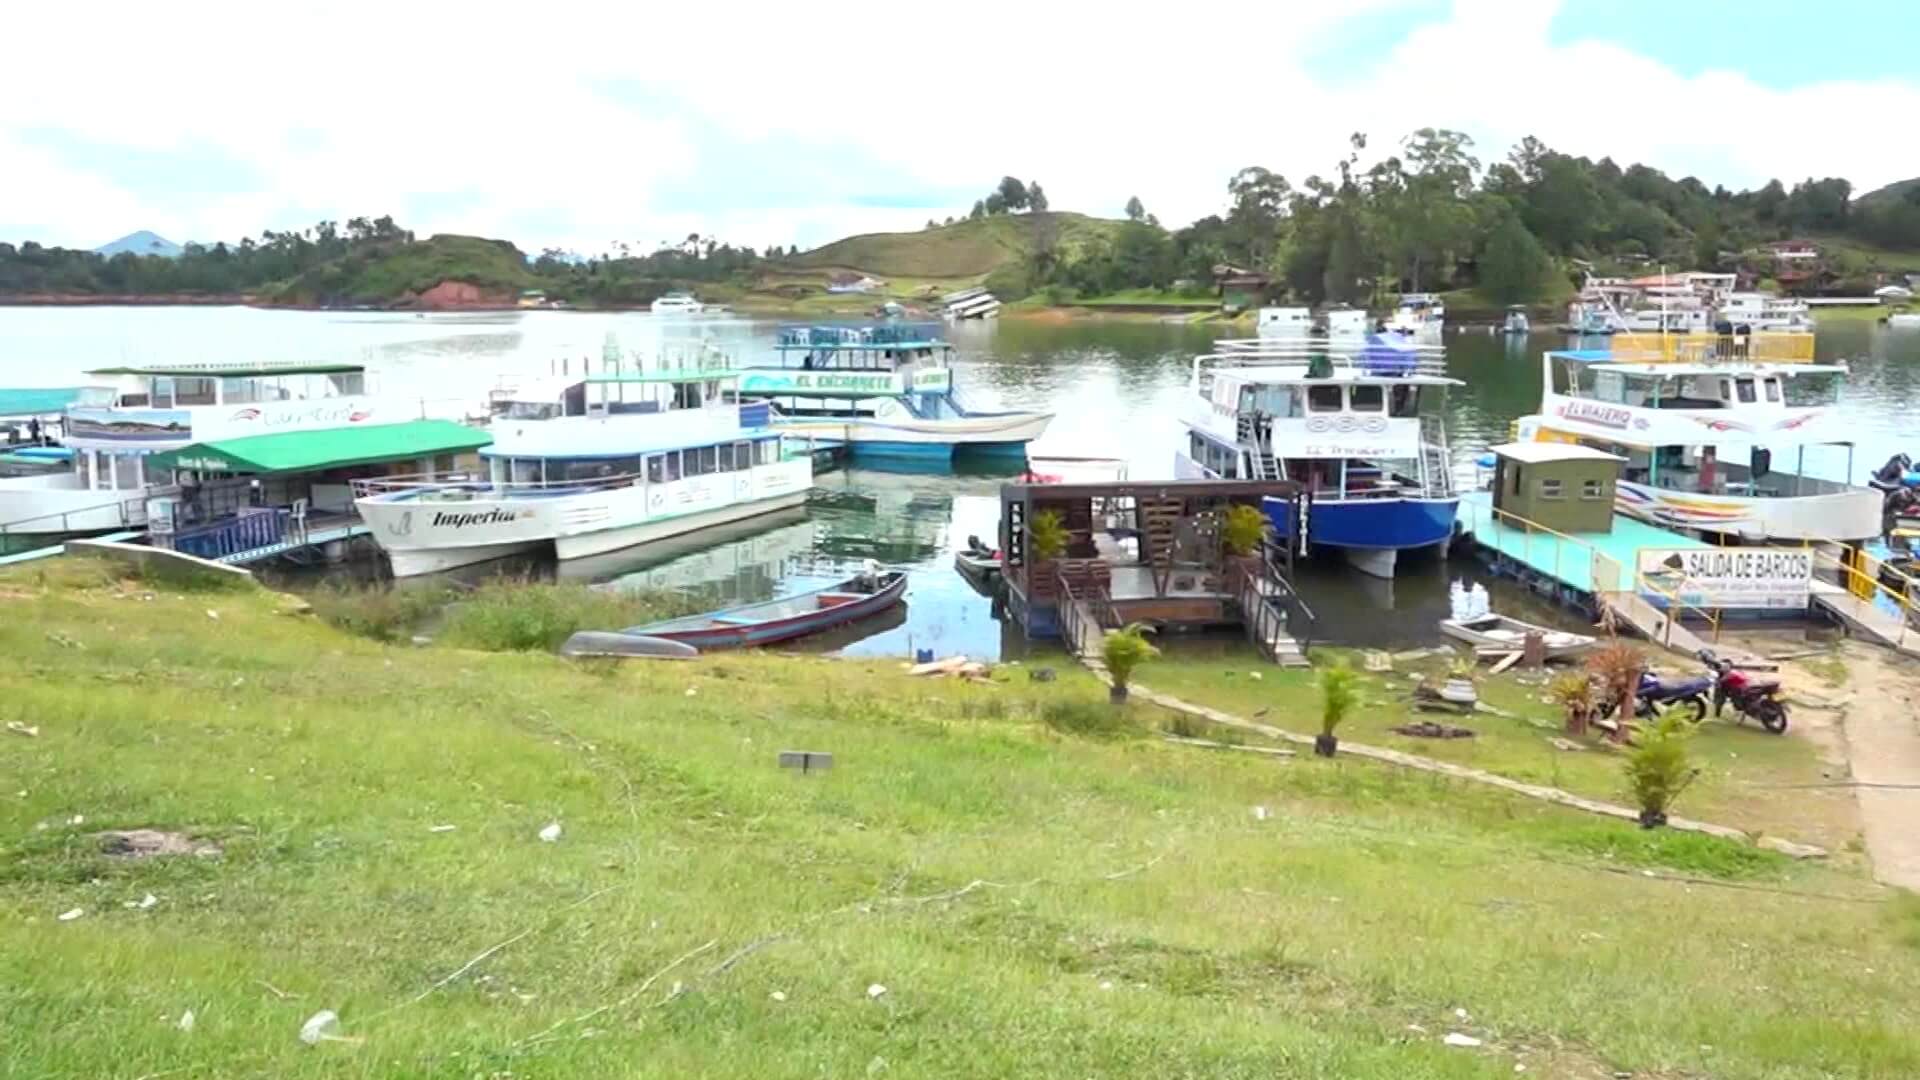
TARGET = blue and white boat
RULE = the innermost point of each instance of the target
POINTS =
(1356, 421)
(887, 391)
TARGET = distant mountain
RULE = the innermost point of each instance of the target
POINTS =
(141, 243)
(964, 249)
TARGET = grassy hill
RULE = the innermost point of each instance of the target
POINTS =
(963, 250)
(993, 880)
(388, 272)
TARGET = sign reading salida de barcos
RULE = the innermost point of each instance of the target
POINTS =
(1729, 577)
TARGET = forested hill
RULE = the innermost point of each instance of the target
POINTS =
(1428, 215)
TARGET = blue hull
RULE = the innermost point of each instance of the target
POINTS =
(1375, 524)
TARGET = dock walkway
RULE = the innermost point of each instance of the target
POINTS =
(1880, 622)
(1569, 558)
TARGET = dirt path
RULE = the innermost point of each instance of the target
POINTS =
(1882, 728)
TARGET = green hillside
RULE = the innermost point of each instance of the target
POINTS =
(965, 249)
(1888, 195)
(386, 272)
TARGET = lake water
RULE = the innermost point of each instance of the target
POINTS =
(1117, 390)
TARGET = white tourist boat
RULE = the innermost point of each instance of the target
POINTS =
(1284, 322)
(677, 303)
(1715, 432)
(136, 412)
(1355, 422)
(1516, 324)
(887, 391)
(648, 456)
(1752, 311)
(1418, 315)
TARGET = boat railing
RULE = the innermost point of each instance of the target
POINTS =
(1869, 586)
(1381, 361)
(125, 513)
(1713, 348)
(419, 483)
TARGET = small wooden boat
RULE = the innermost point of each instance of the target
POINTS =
(1501, 633)
(787, 618)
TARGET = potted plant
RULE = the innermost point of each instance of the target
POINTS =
(1047, 536)
(1657, 768)
(1459, 688)
(1337, 696)
(1575, 693)
(1123, 650)
(1242, 530)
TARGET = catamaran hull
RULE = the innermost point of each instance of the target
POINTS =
(410, 563)
(1371, 533)
(927, 440)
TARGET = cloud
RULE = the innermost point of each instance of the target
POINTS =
(579, 125)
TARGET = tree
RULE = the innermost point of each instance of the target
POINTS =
(996, 204)
(1136, 211)
(979, 210)
(1514, 268)
(1036, 199)
(1259, 202)
(1013, 193)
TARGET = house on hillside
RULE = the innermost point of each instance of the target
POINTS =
(1240, 289)
(1794, 251)
(844, 282)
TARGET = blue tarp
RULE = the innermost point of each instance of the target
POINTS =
(38, 401)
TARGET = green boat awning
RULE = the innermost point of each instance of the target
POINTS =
(328, 448)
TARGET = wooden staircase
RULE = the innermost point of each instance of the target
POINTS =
(1266, 599)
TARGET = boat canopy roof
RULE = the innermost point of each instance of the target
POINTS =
(670, 375)
(1297, 373)
(1655, 367)
(323, 448)
(624, 435)
(24, 403)
(232, 371)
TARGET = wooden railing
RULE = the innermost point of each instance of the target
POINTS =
(1083, 619)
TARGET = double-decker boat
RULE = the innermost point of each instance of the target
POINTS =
(1355, 421)
(631, 458)
(1716, 431)
(887, 390)
(132, 413)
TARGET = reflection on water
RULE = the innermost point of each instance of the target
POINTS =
(1116, 389)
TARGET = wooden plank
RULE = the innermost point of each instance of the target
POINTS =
(1506, 662)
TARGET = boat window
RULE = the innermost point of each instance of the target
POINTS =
(193, 392)
(1821, 388)
(163, 393)
(239, 391)
(1323, 399)
(126, 472)
(656, 470)
(768, 451)
(725, 457)
(1745, 386)
(743, 455)
(1198, 449)
(1773, 389)
(1366, 398)
(525, 470)
(703, 461)
(672, 465)
(1404, 401)
(83, 467)
(1726, 389)
(1592, 490)
(1551, 488)
(347, 383)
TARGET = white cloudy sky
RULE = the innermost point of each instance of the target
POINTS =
(578, 125)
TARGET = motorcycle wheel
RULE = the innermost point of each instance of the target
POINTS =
(1699, 706)
(1772, 716)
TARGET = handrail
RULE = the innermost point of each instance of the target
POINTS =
(1528, 528)
(431, 481)
(1676, 603)
(122, 506)
(1870, 588)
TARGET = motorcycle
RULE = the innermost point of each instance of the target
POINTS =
(1749, 695)
(1655, 695)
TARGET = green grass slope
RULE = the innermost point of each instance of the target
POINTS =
(965, 249)
(1891, 193)
(994, 880)
(390, 271)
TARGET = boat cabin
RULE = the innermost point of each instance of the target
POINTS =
(184, 386)
(1566, 487)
